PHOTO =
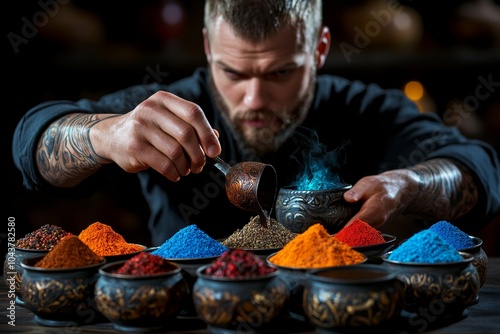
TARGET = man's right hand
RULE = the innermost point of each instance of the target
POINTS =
(164, 132)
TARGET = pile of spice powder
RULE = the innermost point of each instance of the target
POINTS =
(425, 247)
(255, 236)
(316, 248)
(104, 241)
(188, 243)
(44, 238)
(359, 233)
(70, 252)
(145, 263)
(239, 263)
(453, 235)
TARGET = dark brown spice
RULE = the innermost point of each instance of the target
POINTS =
(70, 252)
(44, 238)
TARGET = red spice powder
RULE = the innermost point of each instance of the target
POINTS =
(238, 263)
(145, 263)
(360, 233)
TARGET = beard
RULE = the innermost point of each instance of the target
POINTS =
(261, 142)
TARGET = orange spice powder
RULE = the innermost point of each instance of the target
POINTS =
(104, 241)
(316, 248)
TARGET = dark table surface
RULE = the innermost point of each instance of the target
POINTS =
(482, 318)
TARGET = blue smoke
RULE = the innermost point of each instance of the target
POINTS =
(320, 169)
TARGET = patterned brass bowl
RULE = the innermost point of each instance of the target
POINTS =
(140, 303)
(361, 297)
(446, 289)
(60, 297)
(238, 305)
(13, 271)
(480, 260)
(297, 210)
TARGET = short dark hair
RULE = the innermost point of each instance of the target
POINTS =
(255, 20)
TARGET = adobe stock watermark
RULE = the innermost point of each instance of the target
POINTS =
(30, 27)
(141, 92)
(10, 271)
(449, 305)
(486, 87)
(363, 37)
(453, 116)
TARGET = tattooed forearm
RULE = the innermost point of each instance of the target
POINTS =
(446, 189)
(65, 155)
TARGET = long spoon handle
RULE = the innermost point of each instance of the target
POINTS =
(221, 165)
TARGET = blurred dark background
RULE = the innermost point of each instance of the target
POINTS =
(443, 54)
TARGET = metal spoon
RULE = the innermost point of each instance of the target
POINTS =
(251, 186)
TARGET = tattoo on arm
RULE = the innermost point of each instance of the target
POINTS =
(446, 189)
(65, 155)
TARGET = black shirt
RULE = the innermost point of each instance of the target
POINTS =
(356, 129)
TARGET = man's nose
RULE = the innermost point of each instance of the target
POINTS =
(256, 94)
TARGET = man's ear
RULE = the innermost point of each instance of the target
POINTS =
(323, 47)
(206, 45)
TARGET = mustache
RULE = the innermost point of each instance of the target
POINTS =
(268, 114)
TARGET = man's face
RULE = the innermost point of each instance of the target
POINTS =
(264, 90)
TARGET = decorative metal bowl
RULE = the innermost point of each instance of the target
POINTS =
(140, 303)
(480, 260)
(238, 305)
(362, 297)
(374, 252)
(295, 280)
(13, 271)
(60, 297)
(297, 210)
(189, 268)
(121, 257)
(446, 289)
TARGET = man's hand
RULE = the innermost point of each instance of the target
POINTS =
(164, 132)
(438, 189)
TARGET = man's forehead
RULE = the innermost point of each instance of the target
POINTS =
(287, 38)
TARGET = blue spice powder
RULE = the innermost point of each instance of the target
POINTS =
(188, 243)
(452, 234)
(425, 247)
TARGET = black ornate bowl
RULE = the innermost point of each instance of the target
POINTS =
(140, 303)
(374, 252)
(297, 210)
(121, 257)
(60, 297)
(480, 260)
(352, 298)
(189, 267)
(295, 280)
(13, 271)
(238, 305)
(446, 289)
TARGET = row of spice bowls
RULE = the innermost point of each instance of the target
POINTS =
(230, 300)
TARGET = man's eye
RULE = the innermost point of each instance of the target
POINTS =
(280, 74)
(232, 74)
